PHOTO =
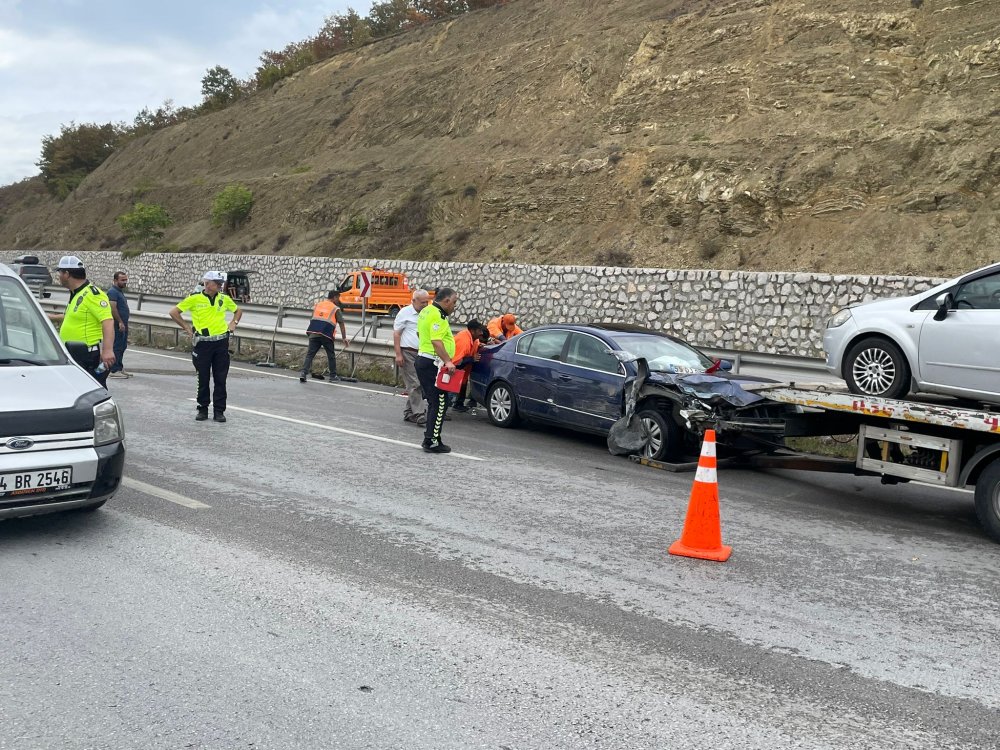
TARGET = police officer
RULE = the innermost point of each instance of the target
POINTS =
(437, 347)
(210, 354)
(87, 318)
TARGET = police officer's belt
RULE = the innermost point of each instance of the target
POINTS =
(218, 337)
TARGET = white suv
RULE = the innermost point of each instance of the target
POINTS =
(945, 340)
(61, 437)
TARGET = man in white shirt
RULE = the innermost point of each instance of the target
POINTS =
(406, 341)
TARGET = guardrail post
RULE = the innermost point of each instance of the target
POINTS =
(177, 337)
(138, 302)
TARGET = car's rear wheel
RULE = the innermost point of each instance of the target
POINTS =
(501, 405)
(877, 367)
(664, 441)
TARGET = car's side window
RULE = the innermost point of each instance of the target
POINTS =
(590, 352)
(546, 344)
(523, 343)
(980, 294)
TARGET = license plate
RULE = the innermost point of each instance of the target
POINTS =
(28, 482)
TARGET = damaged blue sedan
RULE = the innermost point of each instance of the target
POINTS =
(650, 393)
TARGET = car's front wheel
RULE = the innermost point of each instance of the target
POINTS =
(877, 367)
(501, 405)
(663, 437)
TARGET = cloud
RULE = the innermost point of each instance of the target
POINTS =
(54, 75)
(57, 78)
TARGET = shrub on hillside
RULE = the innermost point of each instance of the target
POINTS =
(144, 224)
(77, 151)
(232, 206)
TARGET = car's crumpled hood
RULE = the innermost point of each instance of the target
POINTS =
(723, 386)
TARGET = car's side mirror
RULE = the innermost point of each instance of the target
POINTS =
(79, 351)
(725, 365)
(944, 303)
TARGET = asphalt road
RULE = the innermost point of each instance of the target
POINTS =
(305, 577)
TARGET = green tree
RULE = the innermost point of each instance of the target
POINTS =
(219, 87)
(76, 152)
(145, 223)
(231, 206)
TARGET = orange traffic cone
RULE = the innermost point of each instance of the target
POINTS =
(702, 536)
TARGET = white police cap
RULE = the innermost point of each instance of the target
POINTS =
(213, 276)
(69, 261)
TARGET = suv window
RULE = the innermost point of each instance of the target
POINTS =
(590, 352)
(24, 333)
(543, 344)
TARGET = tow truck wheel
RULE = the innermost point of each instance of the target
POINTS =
(988, 500)
(663, 438)
(501, 405)
(877, 367)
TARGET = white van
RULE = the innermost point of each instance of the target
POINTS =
(61, 436)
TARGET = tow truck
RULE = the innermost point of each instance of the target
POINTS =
(934, 443)
(898, 440)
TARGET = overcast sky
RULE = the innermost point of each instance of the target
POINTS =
(104, 60)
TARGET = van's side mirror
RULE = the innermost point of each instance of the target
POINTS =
(78, 351)
(944, 303)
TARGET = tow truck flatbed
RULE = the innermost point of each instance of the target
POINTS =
(900, 440)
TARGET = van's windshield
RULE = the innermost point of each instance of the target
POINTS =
(26, 338)
(347, 284)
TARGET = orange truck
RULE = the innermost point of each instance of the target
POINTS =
(390, 291)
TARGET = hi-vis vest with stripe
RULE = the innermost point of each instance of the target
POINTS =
(324, 319)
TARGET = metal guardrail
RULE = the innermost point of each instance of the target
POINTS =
(382, 348)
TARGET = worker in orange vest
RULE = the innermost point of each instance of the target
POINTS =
(467, 345)
(503, 327)
(322, 331)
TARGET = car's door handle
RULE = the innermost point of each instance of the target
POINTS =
(564, 377)
(520, 367)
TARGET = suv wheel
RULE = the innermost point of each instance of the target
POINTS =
(876, 367)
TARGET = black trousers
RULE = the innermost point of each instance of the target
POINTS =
(437, 403)
(93, 362)
(211, 360)
(315, 344)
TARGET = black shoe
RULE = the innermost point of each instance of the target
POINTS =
(219, 417)
(460, 407)
(435, 447)
(201, 416)
(302, 380)
(318, 377)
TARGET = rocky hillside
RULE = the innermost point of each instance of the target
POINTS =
(844, 136)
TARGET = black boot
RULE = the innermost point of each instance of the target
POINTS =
(219, 416)
(202, 414)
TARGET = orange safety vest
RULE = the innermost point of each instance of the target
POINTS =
(496, 329)
(465, 346)
(323, 319)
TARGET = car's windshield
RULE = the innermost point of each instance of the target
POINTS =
(347, 284)
(663, 354)
(25, 336)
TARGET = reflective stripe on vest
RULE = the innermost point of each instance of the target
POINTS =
(323, 318)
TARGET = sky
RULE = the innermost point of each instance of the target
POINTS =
(100, 61)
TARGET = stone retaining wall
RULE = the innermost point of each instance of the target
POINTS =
(780, 313)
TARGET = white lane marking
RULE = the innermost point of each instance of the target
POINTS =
(163, 494)
(379, 438)
(272, 374)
